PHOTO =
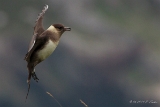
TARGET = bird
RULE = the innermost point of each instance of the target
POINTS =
(43, 44)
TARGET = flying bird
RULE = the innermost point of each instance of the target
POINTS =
(42, 44)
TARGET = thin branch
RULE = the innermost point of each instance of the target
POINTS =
(54, 98)
(83, 103)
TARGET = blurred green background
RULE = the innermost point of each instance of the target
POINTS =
(109, 59)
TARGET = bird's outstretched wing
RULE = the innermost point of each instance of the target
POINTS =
(38, 30)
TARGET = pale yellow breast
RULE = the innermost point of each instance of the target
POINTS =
(47, 50)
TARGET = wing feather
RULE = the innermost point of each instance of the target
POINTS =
(38, 30)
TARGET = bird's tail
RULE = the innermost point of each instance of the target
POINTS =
(30, 71)
(32, 74)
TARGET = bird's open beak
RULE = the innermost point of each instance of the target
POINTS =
(67, 28)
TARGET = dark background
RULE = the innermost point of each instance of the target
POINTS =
(109, 59)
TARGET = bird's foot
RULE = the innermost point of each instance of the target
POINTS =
(34, 76)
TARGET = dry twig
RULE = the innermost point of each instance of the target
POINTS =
(83, 103)
(54, 98)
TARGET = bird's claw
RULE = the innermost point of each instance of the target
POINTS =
(34, 76)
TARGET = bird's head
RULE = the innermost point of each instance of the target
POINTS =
(60, 29)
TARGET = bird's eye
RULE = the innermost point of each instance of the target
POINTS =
(60, 28)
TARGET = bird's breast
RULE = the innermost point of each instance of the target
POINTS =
(47, 50)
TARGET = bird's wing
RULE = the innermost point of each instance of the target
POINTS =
(33, 40)
(37, 43)
(32, 47)
(38, 29)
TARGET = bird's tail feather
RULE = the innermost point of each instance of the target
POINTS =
(30, 70)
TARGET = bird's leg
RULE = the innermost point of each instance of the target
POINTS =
(34, 76)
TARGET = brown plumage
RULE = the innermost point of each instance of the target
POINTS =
(43, 43)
